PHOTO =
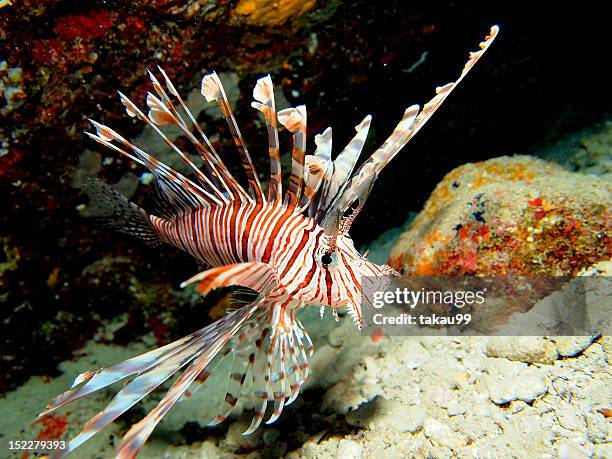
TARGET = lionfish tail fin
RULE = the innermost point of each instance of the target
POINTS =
(113, 210)
(199, 353)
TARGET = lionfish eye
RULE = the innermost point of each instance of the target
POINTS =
(329, 259)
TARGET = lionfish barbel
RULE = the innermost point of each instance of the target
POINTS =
(293, 251)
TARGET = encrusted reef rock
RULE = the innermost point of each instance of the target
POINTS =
(509, 215)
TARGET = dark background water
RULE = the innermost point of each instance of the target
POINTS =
(546, 75)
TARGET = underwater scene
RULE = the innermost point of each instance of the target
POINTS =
(305, 229)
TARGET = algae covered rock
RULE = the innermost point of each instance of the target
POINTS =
(509, 215)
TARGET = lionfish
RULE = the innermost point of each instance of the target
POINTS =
(293, 250)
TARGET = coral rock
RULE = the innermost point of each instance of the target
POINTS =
(528, 349)
(271, 13)
(508, 381)
(509, 215)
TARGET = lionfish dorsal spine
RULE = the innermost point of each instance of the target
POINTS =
(343, 165)
(212, 90)
(160, 112)
(263, 93)
(413, 120)
(294, 120)
(218, 172)
(176, 186)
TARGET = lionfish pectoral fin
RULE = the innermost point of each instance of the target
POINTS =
(198, 352)
(257, 276)
(116, 212)
(270, 365)
(279, 369)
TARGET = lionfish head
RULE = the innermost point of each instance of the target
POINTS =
(348, 275)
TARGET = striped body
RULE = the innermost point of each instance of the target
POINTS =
(288, 241)
(293, 251)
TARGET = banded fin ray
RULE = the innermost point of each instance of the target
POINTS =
(177, 188)
(225, 328)
(161, 113)
(294, 120)
(212, 90)
(244, 356)
(214, 166)
(362, 180)
(263, 93)
(343, 166)
(199, 350)
(315, 170)
(254, 275)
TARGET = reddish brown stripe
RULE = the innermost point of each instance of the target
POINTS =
(298, 250)
(203, 376)
(318, 284)
(264, 333)
(247, 230)
(328, 286)
(194, 236)
(211, 225)
(279, 224)
(313, 268)
(353, 278)
(233, 239)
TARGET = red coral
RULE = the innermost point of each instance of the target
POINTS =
(92, 25)
(537, 202)
(134, 23)
(48, 51)
(54, 426)
(8, 163)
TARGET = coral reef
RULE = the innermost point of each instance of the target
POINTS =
(509, 215)
(61, 274)
(74, 296)
(63, 60)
